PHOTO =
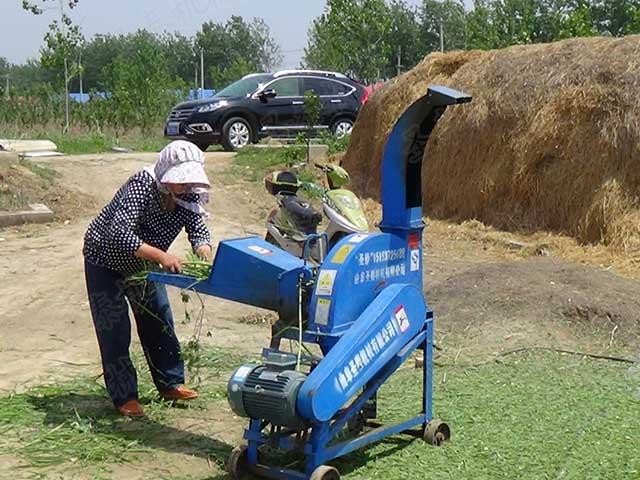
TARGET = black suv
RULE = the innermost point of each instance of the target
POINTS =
(266, 105)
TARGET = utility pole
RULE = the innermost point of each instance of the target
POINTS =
(399, 65)
(66, 70)
(441, 36)
(6, 88)
(195, 81)
(80, 72)
(202, 71)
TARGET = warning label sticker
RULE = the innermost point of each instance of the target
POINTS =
(342, 254)
(260, 250)
(322, 311)
(325, 282)
(415, 260)
(402, 318)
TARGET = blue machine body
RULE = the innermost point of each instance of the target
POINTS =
(365, 306)
(250, 271)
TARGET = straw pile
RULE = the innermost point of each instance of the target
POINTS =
(551, 140)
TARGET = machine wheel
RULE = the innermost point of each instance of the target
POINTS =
(236, 134)
(436, 433)
(324, 472)
(356, 424)
(238, 463)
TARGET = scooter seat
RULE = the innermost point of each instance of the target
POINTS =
(302, 214)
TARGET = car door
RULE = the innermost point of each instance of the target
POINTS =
(284, 112)
(334, 96)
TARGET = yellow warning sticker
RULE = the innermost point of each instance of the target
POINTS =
(322, 311)
(342, 254)
(325, 282)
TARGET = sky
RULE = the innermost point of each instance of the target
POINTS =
(21, 33)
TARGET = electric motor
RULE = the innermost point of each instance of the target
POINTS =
(266, 393)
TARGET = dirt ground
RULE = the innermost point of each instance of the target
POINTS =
(486, 299)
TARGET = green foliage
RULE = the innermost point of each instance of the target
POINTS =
(252, 163)
(312, 111)
(452, 15)
(142, 91)
(366, 37)
(235, 49)
(351, 37)
(335, 144)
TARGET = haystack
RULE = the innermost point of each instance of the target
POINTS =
(551, 140)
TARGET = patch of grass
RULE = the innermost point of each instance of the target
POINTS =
(47, 174)
(84, 143)
(543, 416)
(532, 416)
(75, 425)
(252, 164)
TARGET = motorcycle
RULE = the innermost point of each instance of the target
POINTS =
(293, 226)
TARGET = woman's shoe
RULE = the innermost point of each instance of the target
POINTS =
(131, 409)
(179, 393)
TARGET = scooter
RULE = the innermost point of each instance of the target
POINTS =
(293, 225)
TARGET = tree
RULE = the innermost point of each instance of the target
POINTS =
(404, 52)
(351, 36)
(140, 85)
(312, 111)
(235, 49)
(62, 42)
(448, 17)
(5, 67)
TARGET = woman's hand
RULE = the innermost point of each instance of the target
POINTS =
(171, 263)
(205, 252)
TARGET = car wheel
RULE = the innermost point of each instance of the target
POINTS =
(236, 134)
(342, 127)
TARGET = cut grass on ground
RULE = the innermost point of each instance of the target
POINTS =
(75, 425)
(532, 416)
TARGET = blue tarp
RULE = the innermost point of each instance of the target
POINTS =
(193, 95)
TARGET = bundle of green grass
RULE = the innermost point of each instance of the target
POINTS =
(550, 142)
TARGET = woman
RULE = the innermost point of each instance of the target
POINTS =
(139, 224)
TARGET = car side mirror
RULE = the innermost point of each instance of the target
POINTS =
(267, 94)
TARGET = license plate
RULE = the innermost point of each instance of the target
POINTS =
(173, 128)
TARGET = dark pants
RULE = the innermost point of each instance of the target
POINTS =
(108, 295)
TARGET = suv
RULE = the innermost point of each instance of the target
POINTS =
(267, 105)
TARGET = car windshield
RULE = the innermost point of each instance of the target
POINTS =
(244, 86)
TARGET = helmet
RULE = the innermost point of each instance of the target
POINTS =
(337, 176)
(282, 182)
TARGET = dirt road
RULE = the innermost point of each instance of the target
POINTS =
(46, 329)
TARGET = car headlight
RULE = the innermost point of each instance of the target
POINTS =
(212, 106)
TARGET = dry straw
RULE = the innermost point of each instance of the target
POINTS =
(550, 142)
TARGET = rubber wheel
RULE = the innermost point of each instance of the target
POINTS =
(436, 433)
(356, 424)
(324, 472)
(236, 134)
(238, 463)
(342, 127)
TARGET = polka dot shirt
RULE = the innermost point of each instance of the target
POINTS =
(136, 215)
